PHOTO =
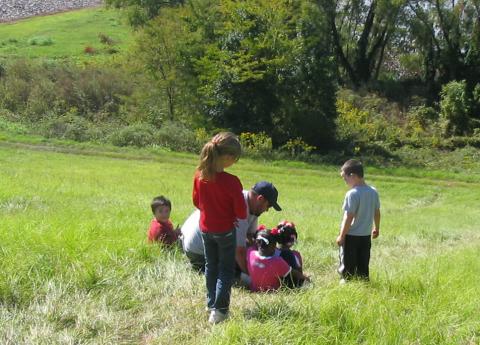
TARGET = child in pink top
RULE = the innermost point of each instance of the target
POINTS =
(266, 269)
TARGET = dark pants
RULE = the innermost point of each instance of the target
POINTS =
(219, 268)
(354, 257)
(197, 261)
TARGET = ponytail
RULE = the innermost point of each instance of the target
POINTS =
(208, 161)
(224, 143)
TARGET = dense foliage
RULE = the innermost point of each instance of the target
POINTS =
(352, 76)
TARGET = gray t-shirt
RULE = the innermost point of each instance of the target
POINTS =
(362, 201)
(192, 235)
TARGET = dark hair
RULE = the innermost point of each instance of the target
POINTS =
(160, 201)
(352, 166)
(265, 239)
(285, 232)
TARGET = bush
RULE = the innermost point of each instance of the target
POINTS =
(11, 127)
(37, 89)
(71, 127)
(105, 39)
(256, 144)
(454, 108)
(297, 147)
(422, 124)
(177, 137)
(89, 50)
(359, 128)
(139, 135)
(365, 118)
(40, 41)
(41, 99)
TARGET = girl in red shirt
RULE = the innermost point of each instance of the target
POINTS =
(218, 196)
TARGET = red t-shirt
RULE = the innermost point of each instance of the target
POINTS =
(220, 202)
(265, 272)
(161, 232)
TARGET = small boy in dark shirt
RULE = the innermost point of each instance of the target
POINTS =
(286, 235)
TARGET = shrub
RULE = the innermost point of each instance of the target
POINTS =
(40, 41)
(14, 93)
(454, 108)
(11, 127)
(95, 90)
(256, 144)
(69, 126)
(89, 50)
(297, 147)
(476, 104)
(365, 118)
(201, 136)
(177, 137)
(41, 98)
(359, 128)
(139, 135)
(36, 86)
(105, 39)
(112, 50)
(421, 123)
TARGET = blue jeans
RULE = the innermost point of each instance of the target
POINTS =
(219, 268)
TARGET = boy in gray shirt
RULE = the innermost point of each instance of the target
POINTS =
(361, 210)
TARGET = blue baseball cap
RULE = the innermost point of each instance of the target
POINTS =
(269, 192)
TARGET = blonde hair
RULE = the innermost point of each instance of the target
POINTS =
(222, 144)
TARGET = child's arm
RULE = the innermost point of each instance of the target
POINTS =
(241, 258)
(346, 224)
(297, 275)
(195, 197)
(376, 219)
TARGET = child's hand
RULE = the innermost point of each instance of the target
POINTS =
(340, 240)
(177, 230)
(375, 233)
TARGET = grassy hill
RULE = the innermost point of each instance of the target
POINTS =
(66, 35)
(76, 267)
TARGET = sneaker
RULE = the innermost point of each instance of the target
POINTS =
(217, 316)
(343, 281)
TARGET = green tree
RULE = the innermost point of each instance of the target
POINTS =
(264, 66)
(361, 31)
(159, 46)
(141, 11)
(447, 33)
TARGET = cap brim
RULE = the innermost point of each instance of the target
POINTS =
(276, 207)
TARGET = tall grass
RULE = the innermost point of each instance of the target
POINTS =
(76, 268)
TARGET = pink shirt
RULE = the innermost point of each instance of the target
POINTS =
(265, 272)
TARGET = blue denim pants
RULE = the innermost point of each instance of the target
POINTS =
(219, 268)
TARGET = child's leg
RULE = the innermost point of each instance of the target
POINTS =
(348, 257)
(226, 269)
(363, 257)
(211, 267)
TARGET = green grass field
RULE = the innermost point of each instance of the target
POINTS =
(65, 35)
(76, 268)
